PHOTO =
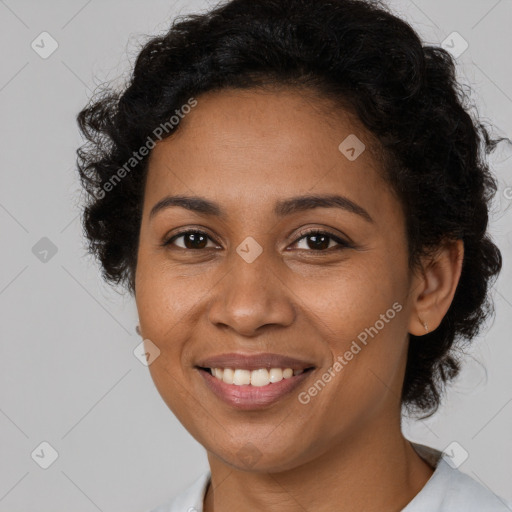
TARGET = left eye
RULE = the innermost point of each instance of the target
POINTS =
(320, 240)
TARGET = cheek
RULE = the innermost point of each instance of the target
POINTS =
(162, 307)
(165, 299)
(359, 314)
(342, 302)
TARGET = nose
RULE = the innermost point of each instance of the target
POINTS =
(250, 297)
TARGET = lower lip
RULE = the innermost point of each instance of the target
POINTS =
(249, 397)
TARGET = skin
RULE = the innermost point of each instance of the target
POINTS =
(245, 150)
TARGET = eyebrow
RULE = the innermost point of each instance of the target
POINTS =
(281, 209)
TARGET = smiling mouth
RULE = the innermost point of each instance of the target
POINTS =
(254, 378)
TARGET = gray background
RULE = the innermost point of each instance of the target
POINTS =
(68, 373)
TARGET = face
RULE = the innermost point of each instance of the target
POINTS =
(251, 274)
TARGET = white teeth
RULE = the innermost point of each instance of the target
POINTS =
(227, 375)
(240, 377)
(275, 375)
(260, 377)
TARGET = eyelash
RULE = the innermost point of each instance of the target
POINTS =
(342, 244)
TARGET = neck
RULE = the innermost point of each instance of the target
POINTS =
(365, 472)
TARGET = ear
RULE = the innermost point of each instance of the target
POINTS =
(434, 286)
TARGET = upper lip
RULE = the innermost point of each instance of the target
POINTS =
(253, 361)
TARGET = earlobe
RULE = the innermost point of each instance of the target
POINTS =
(425, 324)
(436, 287)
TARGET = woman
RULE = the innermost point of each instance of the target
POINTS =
(297, 197)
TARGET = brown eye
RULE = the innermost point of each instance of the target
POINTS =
(191, 240)
(321, 241)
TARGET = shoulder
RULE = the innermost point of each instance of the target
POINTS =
(466, 493)
(190, 499)
(451, 490)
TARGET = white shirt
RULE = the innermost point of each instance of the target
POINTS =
(447, 490)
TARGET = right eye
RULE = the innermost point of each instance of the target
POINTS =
(192, 239)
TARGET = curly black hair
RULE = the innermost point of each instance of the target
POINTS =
(356, 53)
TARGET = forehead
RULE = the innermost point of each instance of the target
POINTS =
(256, 145)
